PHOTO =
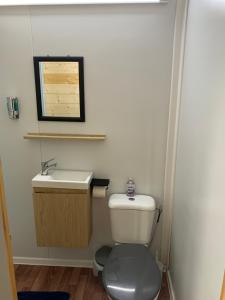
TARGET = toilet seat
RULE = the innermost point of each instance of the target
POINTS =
(131, 273)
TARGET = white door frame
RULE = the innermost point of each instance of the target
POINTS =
(173, 122)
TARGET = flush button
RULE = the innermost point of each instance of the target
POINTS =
(131, 198)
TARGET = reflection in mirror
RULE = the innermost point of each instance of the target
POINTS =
(59, 88)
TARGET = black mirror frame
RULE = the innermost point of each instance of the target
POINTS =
(80, 60)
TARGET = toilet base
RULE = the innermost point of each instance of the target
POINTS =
(96, 268)
(101, 256)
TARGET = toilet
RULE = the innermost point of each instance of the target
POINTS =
(130, 271)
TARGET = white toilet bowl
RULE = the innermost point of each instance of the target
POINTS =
(130, 271)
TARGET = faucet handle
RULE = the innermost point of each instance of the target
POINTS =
(45, 163)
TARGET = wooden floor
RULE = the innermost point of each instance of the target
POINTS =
(79, 282)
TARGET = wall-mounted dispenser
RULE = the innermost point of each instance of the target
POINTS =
(13, 107)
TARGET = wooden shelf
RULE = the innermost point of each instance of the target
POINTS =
(63, 136)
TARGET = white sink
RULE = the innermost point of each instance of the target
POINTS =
(63, 179)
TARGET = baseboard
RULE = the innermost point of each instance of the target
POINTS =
(171, 288)
(53, 262)
(161, 266)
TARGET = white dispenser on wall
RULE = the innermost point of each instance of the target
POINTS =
(13, 107)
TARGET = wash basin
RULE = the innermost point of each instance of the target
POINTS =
(64, 179)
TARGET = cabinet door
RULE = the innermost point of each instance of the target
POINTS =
(62, 220)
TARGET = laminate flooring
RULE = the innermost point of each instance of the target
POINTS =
(79, 282)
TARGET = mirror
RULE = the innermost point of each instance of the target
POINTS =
(59, 88)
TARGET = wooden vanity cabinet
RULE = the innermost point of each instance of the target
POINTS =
(62, 217)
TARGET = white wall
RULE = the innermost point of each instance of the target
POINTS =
(198, 239)
(128, 55)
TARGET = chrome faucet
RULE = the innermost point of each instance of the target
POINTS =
(45, 166)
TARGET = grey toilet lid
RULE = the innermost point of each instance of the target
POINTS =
(131, 273)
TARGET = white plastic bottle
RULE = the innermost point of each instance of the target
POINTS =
(130, 188)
